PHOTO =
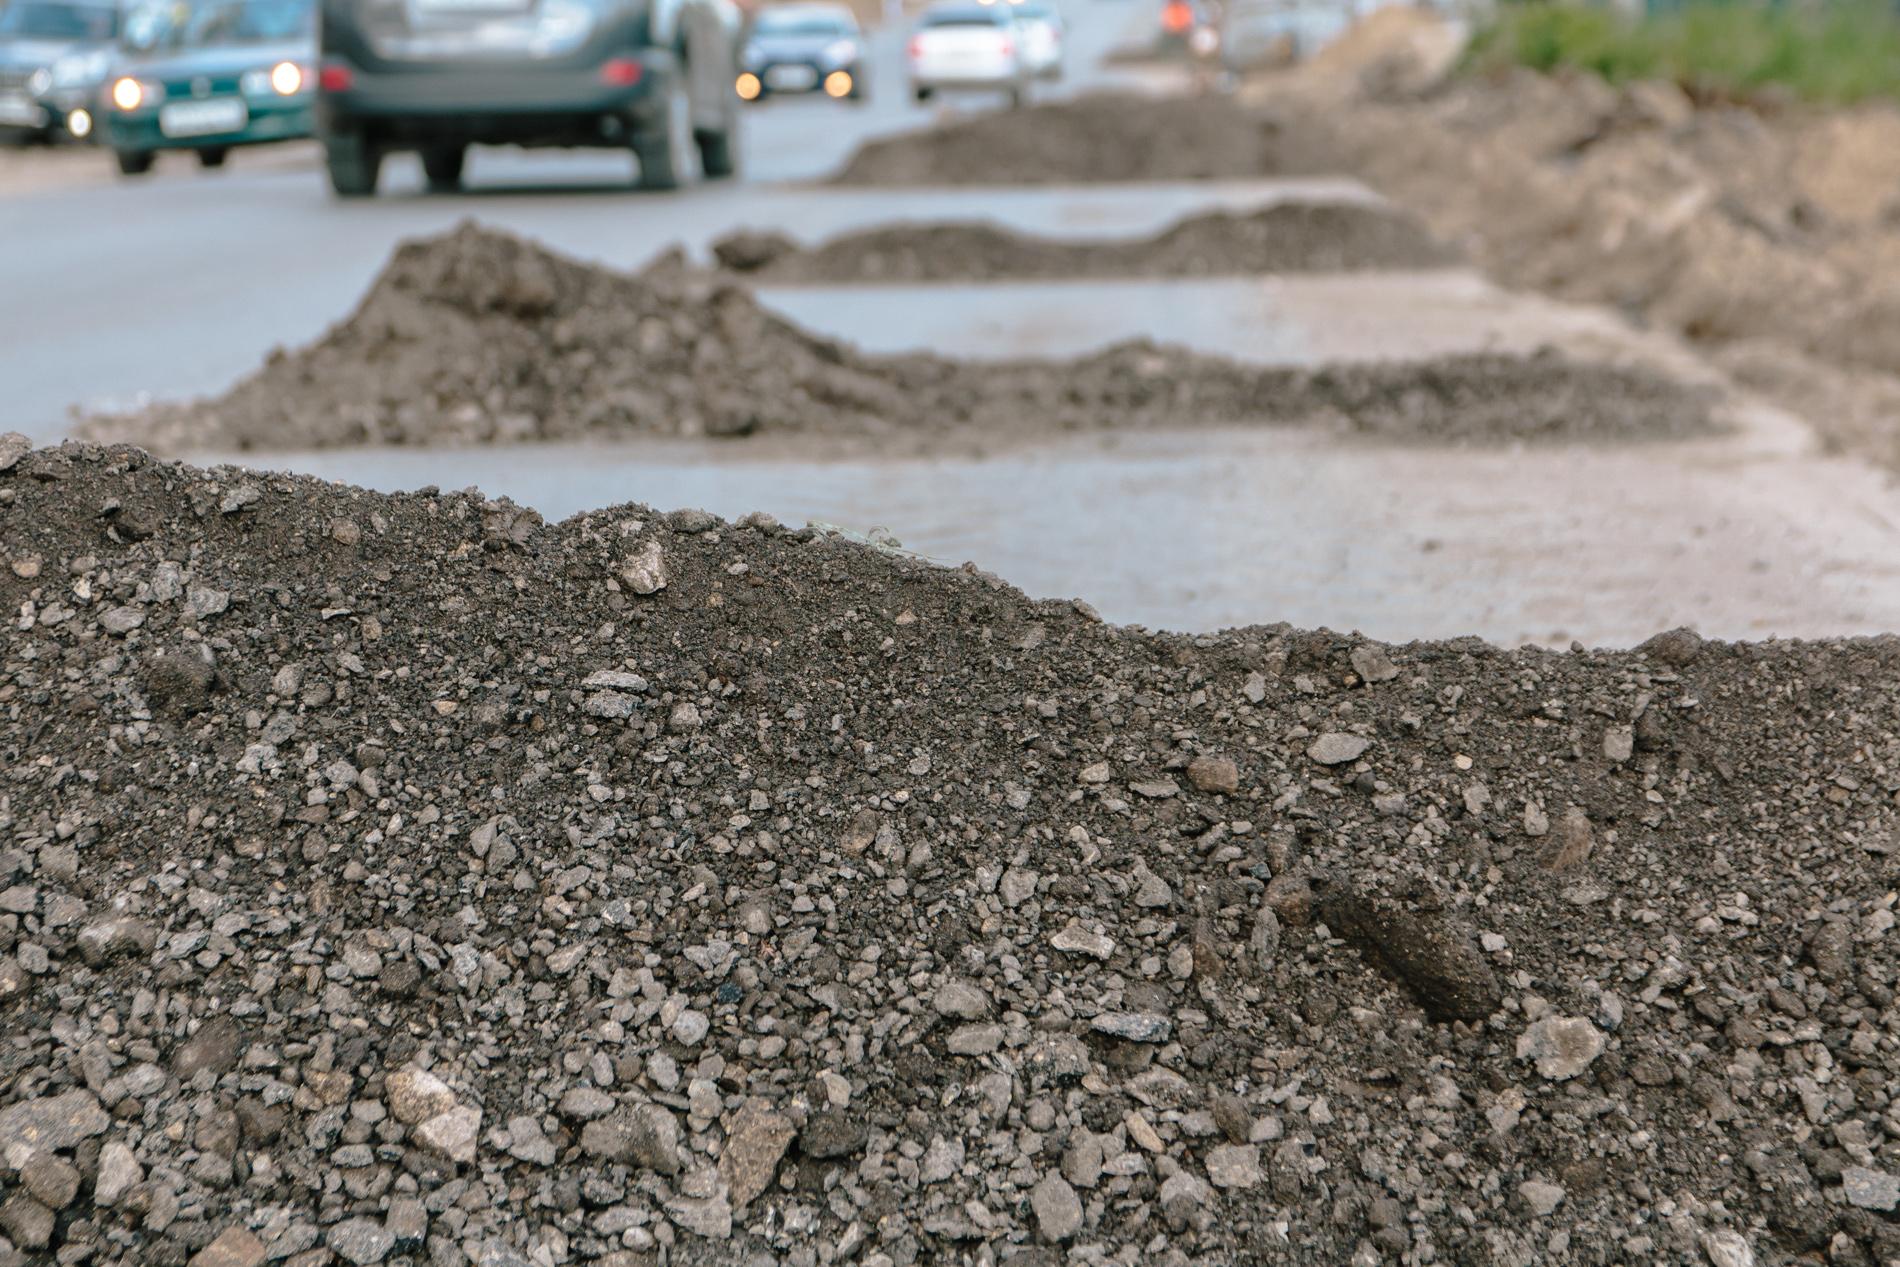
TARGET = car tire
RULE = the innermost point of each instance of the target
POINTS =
(718, 154)
(134, 162)
(442, 164)
(213, 157)
(921, 94)
(1018, 97)
(667, 152)
(353, 163)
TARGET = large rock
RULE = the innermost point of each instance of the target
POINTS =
(1058, 1209)
(646, 1135)
(452, 1134)
(1562, 1046)
(55, 1122)
(416, 1095)
(235, 1247)
(756, 1140)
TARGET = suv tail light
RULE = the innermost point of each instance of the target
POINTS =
(335, 77)
(916, 47)
(1007, 47)
(621, 72)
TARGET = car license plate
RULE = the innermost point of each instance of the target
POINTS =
(21, 110)
(790, 78)
(203, 118)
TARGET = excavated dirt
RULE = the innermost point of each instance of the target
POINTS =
(479, 337)
(1767, 226)
(1294, 237)
(1096, 137)
(405, 879)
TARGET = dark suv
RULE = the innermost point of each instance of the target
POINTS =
(437, 76)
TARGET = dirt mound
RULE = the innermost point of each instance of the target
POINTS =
(1724, 223)
(1098, 137)
(405, 879)
(1295, 237)
(480, 337)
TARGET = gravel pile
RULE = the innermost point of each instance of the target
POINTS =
(1098, 137)
(1293, 237)
(400, 879)
(477, 337)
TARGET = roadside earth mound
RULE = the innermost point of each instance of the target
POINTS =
(403, 879)
(1095, 137)
(477, 337)
(1292, 237)
(1732, 224)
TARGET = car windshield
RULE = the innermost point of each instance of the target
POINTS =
(33, 21)
(814, 24)
(965, 17)
(252, 22)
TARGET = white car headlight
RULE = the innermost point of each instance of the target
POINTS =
(285, 79)
(39, 81)
(133, 94)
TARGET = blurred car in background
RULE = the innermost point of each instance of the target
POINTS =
(46, 44)
(963, 45)
(803, 48)
(1263, 33)
(1043, 35)
(233, 74)
(437, 76)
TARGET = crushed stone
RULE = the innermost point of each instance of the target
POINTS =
(478, 337)
(1096, 137)
(1290, 237)
(383, 941)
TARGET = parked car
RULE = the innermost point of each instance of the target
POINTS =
(40, 39)
(234, 74)
(803, 48)
(1043, 34)
(437, 76)
(960, 46)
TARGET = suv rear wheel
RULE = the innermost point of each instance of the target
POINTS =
(668, 152)
(442, 164)
(354, 164)
(134, 162)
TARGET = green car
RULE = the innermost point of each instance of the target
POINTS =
(232, 74)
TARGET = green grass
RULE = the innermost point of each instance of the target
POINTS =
(1838, 53)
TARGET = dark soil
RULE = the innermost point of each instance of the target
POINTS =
(403, 877)
(1293, 237)
(1103, 137)
(479, 337)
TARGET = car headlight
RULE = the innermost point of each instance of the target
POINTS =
(839, 52)
(285, 79)
(39, 81)
(133, 94)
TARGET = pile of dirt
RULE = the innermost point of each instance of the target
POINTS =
(1291, 237)
(1731, 224)
(1095, 137)
(405, 880)
(477, 337)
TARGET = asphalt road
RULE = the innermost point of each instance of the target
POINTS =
(176, 285)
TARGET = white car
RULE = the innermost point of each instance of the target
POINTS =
(1042, 37)
(965, 45)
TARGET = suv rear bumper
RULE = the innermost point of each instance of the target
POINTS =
(499, 104)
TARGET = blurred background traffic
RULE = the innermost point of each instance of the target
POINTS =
(135, 79)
